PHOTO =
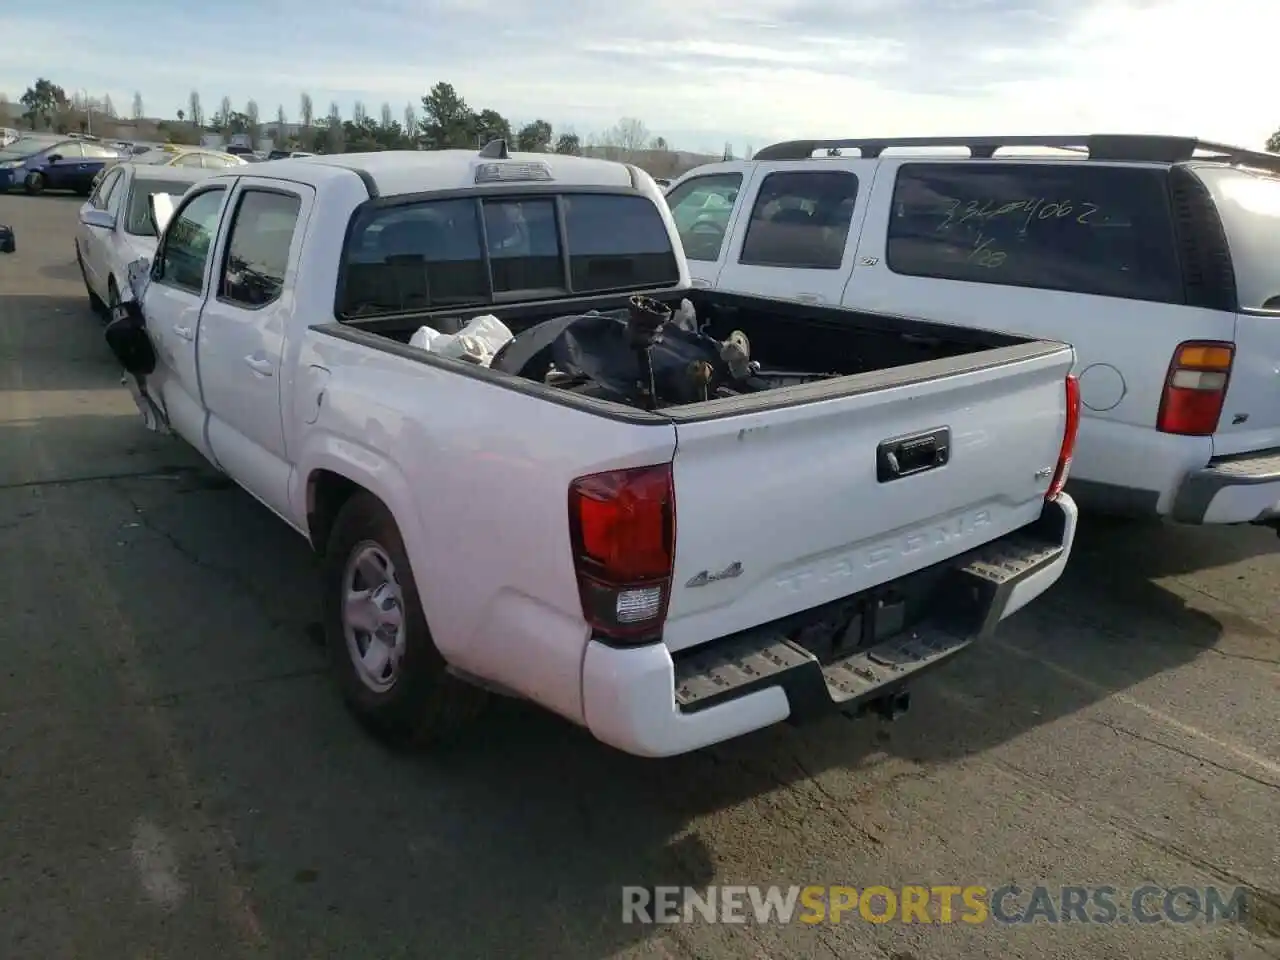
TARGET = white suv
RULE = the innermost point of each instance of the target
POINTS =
(1158, 258)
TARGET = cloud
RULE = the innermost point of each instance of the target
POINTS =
(698, 71)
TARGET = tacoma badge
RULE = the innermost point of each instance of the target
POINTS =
(702, 579)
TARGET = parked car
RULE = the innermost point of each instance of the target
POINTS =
(116, 227)
(860, 496)
(8, 135)
(42, 163)
(282, 154)
(173, 155)
(1154, 256)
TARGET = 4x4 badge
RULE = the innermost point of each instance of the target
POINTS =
(702, 579)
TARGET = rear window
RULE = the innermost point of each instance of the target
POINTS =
(1078, 227)
(1249, 204)
(463, 252)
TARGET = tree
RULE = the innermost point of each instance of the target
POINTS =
(138, 110)
(1273, 142)
(195, 112)
(660, 144)
(334, 128)
(627, 137)
(224, 113)
(410, 123)
(104, 107)
(728, 152)
(386, 121)
(252, 125)
(491, 125)
(535, 137)
(282, 127)
(306, 111)
(568, 143)
(182, 114)
(43, 102)
(447, 120)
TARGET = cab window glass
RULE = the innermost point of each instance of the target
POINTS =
(189, 240)
(701, 208)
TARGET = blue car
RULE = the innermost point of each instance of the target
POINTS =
(43, 163)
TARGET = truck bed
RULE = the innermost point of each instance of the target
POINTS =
(783, 333)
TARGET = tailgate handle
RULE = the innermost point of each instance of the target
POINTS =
(901, 457)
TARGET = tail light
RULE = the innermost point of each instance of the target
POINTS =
(1068, 449)
(622, 525)
(1195, 388)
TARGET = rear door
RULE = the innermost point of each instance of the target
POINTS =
(795, 500)
(797, 229)
(242, 334)
(1249, 204)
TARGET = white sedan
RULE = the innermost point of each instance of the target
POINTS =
(116, 228)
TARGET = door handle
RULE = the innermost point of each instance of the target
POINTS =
(183, 332)
(258, 365)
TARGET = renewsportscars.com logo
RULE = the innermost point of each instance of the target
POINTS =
(943, 904)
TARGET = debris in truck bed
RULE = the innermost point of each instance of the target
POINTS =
(478, 342)
(644, 356)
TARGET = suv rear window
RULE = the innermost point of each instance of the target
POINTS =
(476, 250)
(1084, 228)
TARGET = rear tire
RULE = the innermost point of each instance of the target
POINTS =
(383, 657)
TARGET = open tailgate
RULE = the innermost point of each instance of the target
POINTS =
(793, 498)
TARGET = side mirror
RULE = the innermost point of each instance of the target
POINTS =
(98, 218)
(8, 243)
(54, 157)
(161, 207)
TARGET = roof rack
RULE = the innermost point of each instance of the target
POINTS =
(1099, 146)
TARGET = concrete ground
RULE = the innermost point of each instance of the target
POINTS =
(178, 780)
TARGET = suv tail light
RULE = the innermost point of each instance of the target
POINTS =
(1068, 448)
(622, 525)
(1195, 388)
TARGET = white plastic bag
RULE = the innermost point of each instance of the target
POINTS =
(477, 342)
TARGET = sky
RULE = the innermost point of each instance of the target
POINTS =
(698, 72)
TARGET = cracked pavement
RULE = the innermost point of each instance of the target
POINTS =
(178, 780)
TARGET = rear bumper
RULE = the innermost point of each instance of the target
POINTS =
(645, 702)
(1239, 489)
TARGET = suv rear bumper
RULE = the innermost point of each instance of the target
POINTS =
(1238, 489)
(645, 702)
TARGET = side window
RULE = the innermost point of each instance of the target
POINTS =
(701, 208)
(69, 151)
(209, 160)
(93, 151)
(258, 250)
(413, 258)
(102, 192)
(1083, 228)
(524, 250)
(801, 219)
(189, 240)
(616, 242)
(187, 160)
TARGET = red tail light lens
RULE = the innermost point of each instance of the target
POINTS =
(622, 525)
(1195, 388)
(1068, 448)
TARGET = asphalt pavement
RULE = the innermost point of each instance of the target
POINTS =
(178, 779)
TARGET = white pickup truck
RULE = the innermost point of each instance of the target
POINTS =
(669, 515)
